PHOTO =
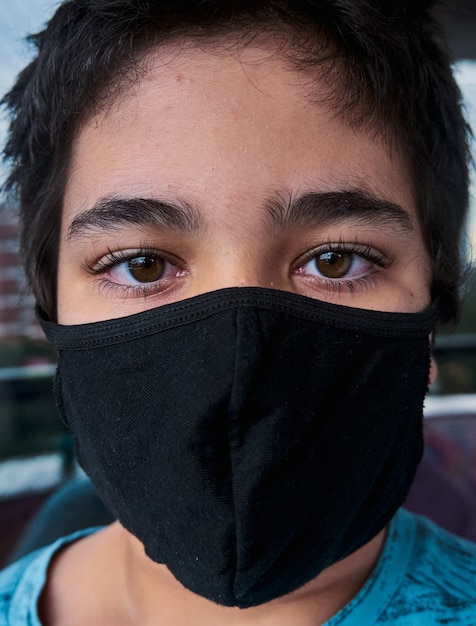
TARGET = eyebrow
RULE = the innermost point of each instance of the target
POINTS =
(111, 213)
(283, 211)
(324, 208)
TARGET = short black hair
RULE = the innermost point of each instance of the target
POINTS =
(388, 70)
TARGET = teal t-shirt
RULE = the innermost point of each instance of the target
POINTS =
(424, 577)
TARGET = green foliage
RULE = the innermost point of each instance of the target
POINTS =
(19, 352)
(457, 361)
(467, 323)
(29, 421)
(29, 418)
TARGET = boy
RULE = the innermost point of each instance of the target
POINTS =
(241, 224)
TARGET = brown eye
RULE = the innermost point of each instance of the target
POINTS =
(333, 264)
(146, 269)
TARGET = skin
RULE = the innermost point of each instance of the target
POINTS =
(225, 136)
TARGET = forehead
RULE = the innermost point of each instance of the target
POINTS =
(213, 124)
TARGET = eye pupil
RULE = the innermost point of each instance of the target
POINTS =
(334, 264)
(146, 269)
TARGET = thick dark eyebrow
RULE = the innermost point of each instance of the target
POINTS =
(109, 214)
(311, 209)
(324, 208)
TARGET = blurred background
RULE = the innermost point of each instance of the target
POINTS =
(35, 447)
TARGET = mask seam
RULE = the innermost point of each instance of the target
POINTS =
(402, 327)
(232, 416)
(305, 307)
(249, 296)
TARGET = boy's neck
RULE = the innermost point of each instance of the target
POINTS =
(114, 579)
(158, 594)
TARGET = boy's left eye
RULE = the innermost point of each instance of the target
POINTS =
(337, 265)
(331, 264)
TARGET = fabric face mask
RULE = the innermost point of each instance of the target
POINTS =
(249, 438)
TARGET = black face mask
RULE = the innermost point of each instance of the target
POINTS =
(248, 437)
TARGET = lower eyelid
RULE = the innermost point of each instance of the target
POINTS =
(132, 291)
(124, 291)
(321, 287)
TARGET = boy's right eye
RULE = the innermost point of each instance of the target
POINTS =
(147, 270)
(143, 269)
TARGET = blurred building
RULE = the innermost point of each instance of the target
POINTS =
(17, 316)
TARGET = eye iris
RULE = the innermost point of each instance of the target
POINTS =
(334, 264)
(146, 269)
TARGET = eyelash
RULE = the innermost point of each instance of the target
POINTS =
(115, 258)
(380, 259)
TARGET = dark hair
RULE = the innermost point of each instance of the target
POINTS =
(389, 72)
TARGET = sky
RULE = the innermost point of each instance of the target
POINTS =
(19, 18)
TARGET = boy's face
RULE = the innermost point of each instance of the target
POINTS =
(248, 183)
